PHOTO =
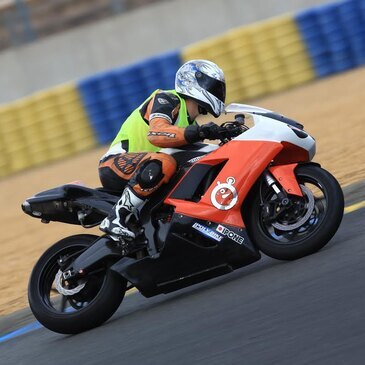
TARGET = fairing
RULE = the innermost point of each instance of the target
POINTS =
(270, 126)
(189, 256)
(244, 163)
(285, 175)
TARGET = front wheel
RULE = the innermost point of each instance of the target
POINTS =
(72, 307)
(306, 224)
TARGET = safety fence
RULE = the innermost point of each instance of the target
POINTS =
(259, 59)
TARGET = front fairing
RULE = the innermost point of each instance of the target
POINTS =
(273, 127)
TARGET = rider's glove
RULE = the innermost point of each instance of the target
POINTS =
(233, 130)
(212, 131)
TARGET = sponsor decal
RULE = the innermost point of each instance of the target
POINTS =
(162, 134)
(224, 195)
(160, 115)
(163, 101)
(230, 234)
(207, 232)
(195, 159)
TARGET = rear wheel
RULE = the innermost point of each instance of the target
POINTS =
(72, 307)
(306, 224)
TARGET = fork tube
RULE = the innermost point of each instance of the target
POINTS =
(271, 183)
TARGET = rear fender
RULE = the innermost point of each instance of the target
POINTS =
(63, 203)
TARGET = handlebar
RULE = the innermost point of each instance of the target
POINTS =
(234, 128)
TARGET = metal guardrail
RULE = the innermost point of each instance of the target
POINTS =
(24, 21)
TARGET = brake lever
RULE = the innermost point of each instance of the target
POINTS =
(224, 140)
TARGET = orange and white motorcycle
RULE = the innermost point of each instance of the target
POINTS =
(255, 192)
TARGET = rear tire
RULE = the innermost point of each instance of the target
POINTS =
(105, 298)
(279, 244)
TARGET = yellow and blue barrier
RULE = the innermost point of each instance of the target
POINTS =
(44, 127)
(110, 96)
(258, 59)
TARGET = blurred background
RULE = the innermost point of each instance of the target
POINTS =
(72, 71)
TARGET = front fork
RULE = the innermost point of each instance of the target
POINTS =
(282, 196)
(286, 178)
(282, 180)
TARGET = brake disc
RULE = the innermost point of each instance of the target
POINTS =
(64, 291)
(301, 221)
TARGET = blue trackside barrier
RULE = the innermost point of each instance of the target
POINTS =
(170, 63)
(151, 72)
(315, 42)
(109, 97)
(93, 90)
(102, 129)
(358, 47)
(132, 86)
(334, 35)
(352, 16)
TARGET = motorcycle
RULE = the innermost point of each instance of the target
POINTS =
(257, 192)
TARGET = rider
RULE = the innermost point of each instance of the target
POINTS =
(165, 119)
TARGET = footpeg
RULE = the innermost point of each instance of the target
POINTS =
(128, 247)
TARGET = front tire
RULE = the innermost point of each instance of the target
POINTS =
(314, 218)
(95, 303)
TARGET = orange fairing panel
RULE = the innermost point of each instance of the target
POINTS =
(222, 202)
(291, 154)
(285, 175)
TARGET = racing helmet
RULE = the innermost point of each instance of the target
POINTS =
(202, 81)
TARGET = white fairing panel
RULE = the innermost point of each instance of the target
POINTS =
(268, 129)
(203, 147)
(245, 109)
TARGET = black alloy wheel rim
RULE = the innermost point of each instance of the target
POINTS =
(63, 304)
(295, 212)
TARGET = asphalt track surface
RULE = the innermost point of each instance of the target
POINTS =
(310, 311)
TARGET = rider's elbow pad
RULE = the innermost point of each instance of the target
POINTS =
(192, 134)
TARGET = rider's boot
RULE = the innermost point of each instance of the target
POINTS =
(115, 224)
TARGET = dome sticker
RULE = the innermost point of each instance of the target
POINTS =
(224, 195)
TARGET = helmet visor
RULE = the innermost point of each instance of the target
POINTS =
(212, 85)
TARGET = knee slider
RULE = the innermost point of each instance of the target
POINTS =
(150, 174)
